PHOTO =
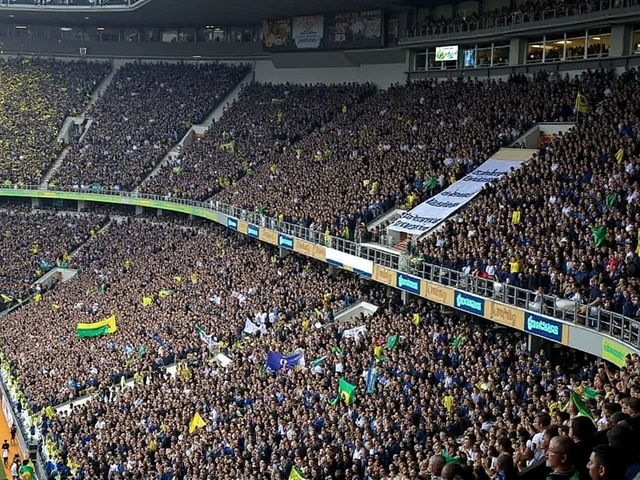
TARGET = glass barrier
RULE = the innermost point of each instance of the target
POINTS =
(515, 18)
(614, 324)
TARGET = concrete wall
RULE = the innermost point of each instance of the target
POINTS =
(382, 75)
(491, 5)
(466, 9)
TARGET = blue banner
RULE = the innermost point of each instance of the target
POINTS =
(469, 303)
(543, 327)
(408, 283)
(285, 242)
(253, 231)
(232, 223)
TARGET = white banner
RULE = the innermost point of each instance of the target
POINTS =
(426, 216)
(250, 328)
(307, 31)
(355, 333)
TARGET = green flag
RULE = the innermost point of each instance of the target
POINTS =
(337, 351)
(392, 341)
(599, 235)
(318, 361)
(92, 332)
(611, 200)
(590, 393)
(432, 183)
(457, 342)
(141, 350)
(582, 408)
(347, 391)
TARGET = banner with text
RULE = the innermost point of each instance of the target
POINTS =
(307, 32)
(438, 208)
(353, 30)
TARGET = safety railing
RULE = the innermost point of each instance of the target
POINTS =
(616, 325)
(69, 3)
(603, 321)
(516, 18)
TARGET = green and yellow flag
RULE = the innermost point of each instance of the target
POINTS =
(295, 474)
(582, 104)
(146, 301)
(347, 391)
(97, 329)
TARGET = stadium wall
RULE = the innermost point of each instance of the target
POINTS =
(383, 75)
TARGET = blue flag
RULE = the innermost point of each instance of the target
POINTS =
(276, 361)
(372, 377)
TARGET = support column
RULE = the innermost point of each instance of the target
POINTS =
(283, 253)
(139, 210)
(517, 51)
(404, 296)
(35, 203)
(621, 36)
(159, 212)
(80, 205)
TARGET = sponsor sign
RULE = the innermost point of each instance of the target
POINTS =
(543, 327)
(285, 242)
(429, 214)
(253, 231)
(384, 275)
(469, 303)
(506, 315)
(353, 30)
(305, 248)
(232, 223)
(268, 236)
(242, 226)
(614, 352)
(437, 293)
(408, 283)
(320, 253)
(308, 32)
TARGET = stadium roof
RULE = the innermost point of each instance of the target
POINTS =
(192, 13)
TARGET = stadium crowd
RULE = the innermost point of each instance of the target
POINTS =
(397, 148)
(145, 110)
(265, 121)
(430, 409)
(575, 234)
(35, 242)
(37, 95)
(529, 11)
(183, 277)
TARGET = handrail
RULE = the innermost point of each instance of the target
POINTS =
(524, 20)
(76, 5)
(609, 323)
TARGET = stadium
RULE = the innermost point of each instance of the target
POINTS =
(397, 239)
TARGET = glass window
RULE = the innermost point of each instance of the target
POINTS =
(431, 60)
(501, 54)
(483, 57)
(535, 49)
(635, 48)
(554, 48)
(108, 34)
(575, 45)
(131, 35)
(420, 60)
(151, 35)
(598, 42)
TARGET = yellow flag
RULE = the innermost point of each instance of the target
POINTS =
(194, 278)
(638, 245)
(37, 298)
(6, 298)
(146, 301)
(196, 422)
(416, 319)
(582, 105)
(515, 217)
(620, 155)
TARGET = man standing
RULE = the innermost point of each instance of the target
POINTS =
(559, 458)
(5, 453)
(605, 463)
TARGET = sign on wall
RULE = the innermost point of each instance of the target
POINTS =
(308, 32)
(276, 34)
(353, 30)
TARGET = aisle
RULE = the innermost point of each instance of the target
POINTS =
(5, 434)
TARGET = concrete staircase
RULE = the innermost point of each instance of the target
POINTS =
(97, 93)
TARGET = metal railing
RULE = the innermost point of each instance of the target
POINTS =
(614, 324)
(516, 19)
(83, 4)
